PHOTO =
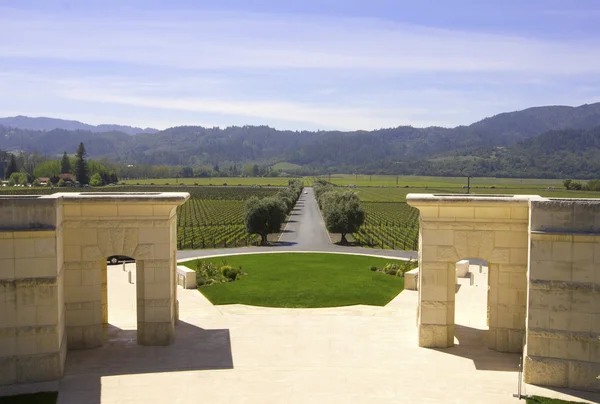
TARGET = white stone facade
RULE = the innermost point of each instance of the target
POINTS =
(544, 279)
(53, 295)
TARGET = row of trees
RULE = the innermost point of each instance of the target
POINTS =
(591, 185)
(341, 209)
(267, 215)
(25, 168)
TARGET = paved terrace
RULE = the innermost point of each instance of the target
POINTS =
(243, 354)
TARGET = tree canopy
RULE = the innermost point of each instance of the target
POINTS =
(81, 165)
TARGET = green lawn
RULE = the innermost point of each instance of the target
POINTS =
(545, 400)
(304, 280)
(36, 398)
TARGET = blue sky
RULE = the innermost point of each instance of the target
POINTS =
(310, 64)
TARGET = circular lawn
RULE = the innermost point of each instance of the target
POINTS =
(303, 280)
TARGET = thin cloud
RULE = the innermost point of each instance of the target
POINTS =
(215, 41)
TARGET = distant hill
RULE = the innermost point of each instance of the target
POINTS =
(508, 144)
(46, 124)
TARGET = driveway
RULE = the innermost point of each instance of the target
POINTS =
(305, 231)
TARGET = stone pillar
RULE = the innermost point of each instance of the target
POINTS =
(563, 316)
(155, 302)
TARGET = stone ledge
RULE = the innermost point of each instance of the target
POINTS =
(585, 287)
(564, 335)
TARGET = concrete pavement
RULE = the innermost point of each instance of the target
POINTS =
(242, 354)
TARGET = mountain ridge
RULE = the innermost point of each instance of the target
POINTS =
(43, 123)
(399, 150)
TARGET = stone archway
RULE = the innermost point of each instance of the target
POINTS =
(493, 228)
(140, 226)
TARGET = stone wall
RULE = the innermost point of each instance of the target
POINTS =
(53, 295)
(492, 228)
(32, 339)
(563, 322)
(544, 278)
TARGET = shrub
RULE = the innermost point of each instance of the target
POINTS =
(209, 273)
(373, 268)
(230, 272)
(391, 269)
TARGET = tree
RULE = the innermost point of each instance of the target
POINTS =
(96, 180)
(567, 183)
(65, 164)
(12, 166)
(342, 212)
(264, 216)
(81, 167)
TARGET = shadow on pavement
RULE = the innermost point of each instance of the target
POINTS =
(194, 349)
(472, 344)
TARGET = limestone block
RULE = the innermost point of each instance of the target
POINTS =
(434, 315)
(8, 370)
(462, 212)
(500, 256)
(505, 339)
(157, 314)
(436, 336)
(518, 256)
(462, 268)
(136, 210)
(583, 375)
(99, 210)
(584, 272)
(509, 239)
(72, 253)
(433, 292)
(156, 334)
(541, 249)
(71, 210)
(163, 210)
(81, 293)
(24, 248)
(8, 342)
(35, 267)
(448, 254)
(7, 269)
(474, 243)
(492, 212)
(562, 251)
(92, 253)
(153, 235)
(570, 321)
(144, 252)
(550, 270)
(163, 251)
(519, 212)
(438, 237)
(47, 315)
(157, 291)
(84, 337)
(545, 371)
(583, 252)
(7, 247)
(39, 368)
(411, 279)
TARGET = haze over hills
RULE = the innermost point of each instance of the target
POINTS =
(501, 140)
(46, 124)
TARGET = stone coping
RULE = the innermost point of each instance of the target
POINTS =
(477, 199)
(153, 197)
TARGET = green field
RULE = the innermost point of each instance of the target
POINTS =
(437, 182)
(214, 215)
(304, 280)
(228, 181)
